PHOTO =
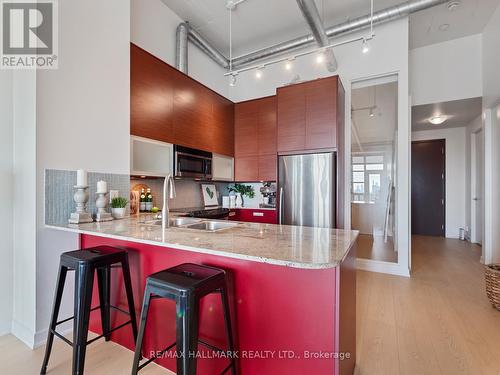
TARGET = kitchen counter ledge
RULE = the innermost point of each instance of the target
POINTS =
(283, 245)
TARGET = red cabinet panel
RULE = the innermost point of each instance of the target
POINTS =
(254, 215)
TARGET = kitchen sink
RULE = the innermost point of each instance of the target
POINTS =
(175, 221)
(212, 226)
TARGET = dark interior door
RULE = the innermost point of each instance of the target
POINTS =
(428, 187)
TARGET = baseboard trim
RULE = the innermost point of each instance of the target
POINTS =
(24, 334)
(381, 267)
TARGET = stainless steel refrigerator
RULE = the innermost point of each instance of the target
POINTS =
(307, 190)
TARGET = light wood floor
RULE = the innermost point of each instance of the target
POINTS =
(436, 322)
(439, 321)
(103, 358)
(374, 248)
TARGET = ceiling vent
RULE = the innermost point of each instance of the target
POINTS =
(453, 5)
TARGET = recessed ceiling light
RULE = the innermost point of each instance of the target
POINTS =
(444, 26)
(437, 120)
(288, 65)
(453, 5)
(258, 73)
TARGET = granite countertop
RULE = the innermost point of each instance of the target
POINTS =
(284, 245)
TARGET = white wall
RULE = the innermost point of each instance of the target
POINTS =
(24, 219)
(455, 174)
(82, 121)
(471, 128)
(491, 61)
(7, 178)
(491, 112)
(388, 54)
(447, 71)
(496, 184)
(153, 28)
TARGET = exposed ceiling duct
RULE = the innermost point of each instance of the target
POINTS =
(360, 23)
(311, 14)
(185, 32)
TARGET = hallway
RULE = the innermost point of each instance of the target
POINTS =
(437, 322)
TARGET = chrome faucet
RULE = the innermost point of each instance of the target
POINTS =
(168, 186)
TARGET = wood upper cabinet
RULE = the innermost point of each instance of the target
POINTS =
(321, 114)
(246, 119)
(170, 106)
(255, 140)
(291, 117)
(308, 114)
(151, 97)
(267, 126)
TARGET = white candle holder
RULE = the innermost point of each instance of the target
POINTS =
(101, 203)
(81, 198)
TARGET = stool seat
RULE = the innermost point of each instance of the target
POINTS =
(95, 256)
(189, 277)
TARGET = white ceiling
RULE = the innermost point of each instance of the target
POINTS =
(468, 19)
(459, 112)
(382, 127)
(260, 23)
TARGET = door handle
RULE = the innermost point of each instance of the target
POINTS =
(280, 213)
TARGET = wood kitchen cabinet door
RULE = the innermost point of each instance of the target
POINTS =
(192, 115)
(268, 167)
(151, 97)
(267, 126)
(321, 113)
(255, 140)
(246, 118)
(169, 106)
(291, 118)
(221, 130)
(246, 168)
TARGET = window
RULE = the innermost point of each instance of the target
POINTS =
(367, 174)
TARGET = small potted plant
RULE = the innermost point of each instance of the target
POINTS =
(118, 207)
(242, 190)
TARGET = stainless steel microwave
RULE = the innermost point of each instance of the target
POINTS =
(192, 163)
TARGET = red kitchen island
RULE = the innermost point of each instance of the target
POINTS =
(293, 293)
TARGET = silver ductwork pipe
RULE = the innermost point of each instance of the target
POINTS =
(184, 33)
(181, 47)
(206, 47)
(311, 14)
(360, 23)
(382, 16)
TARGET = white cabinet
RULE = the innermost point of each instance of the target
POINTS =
(150, 158)
(222, 168)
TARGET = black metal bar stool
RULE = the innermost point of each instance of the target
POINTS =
(186, 284)
(85, 262)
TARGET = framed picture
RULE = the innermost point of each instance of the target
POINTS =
(209, 194)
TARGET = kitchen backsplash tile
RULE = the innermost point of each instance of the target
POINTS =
(59, 203)
(189, 192)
